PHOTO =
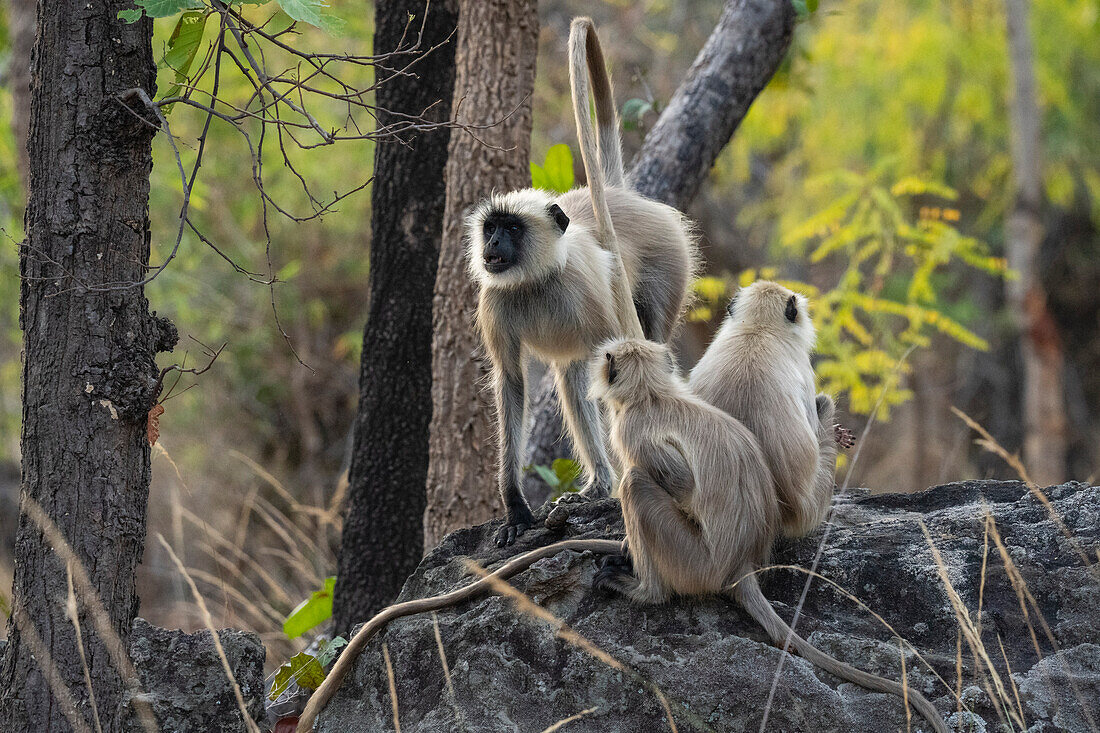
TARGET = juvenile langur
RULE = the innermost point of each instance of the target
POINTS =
(758, 370)
(550, 271)
(369, 630)
(698, 500)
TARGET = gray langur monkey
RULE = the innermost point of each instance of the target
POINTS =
(699, 502)
(758, 370)
(551, 276)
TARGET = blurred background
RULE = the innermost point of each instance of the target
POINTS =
(875, 171)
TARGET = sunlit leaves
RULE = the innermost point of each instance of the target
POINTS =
(183, 45)
(556, 172)
(561, 475)
(305, 669)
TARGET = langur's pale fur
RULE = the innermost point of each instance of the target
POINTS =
(758, 370)
(698, 500)
(615, 263)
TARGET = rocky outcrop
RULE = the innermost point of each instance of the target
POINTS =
(507, 670)
(184, 678)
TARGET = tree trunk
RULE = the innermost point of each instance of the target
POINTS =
(89, 375)
(383, 535)
(739, 58)
(1040, 342)
(495, 77)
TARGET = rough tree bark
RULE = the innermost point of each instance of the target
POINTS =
(495, 62)
(89, 375)
(739, 58)
(383, 535)
(1040, 342)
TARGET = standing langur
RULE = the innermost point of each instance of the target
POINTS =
(698, 500)
(758, 370)
(550, 271)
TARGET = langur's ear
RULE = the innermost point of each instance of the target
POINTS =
(792, 309)
(733, 301)
(558, 216)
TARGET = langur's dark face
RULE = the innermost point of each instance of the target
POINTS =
(503, 234)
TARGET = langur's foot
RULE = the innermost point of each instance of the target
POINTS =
(615, 577)
(620, 562)
(516, 523)
(843, 436)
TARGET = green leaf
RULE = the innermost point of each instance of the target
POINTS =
(159, 8)
(547, 475)
(567, 471)
(558, 168)
(539, 178)
(302, 668)
(309, 11)
(130, 16)
(328, 650)
(183, 45)
(313, 611)
(633, 111)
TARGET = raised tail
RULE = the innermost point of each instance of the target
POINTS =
(603, 160)
(586, 55)
(749, 595)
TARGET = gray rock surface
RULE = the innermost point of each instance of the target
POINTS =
(183, 676)
(510, 671)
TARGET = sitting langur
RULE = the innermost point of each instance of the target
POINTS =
(758, 370)
(698, 500)
(549, 272)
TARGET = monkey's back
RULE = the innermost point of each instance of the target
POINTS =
(657, 246)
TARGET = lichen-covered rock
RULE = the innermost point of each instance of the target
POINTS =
(185, 679)
(511, 671)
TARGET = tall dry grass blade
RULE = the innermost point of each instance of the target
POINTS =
(1015, 690)
(564, 632)
(958, 670)
(74, 616)
(566, 721)
(1019, 585)
(89, 597)
(246, 514)
(393, 687)
(446, 671)
(905, 689)
(42, 657)
(246, 583)
(967, 625)
(208, 621)
(981, 577)
(259, 618)
(990, 444)
(266, 475)
(215, 537)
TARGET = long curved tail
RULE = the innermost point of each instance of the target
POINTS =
(749, 595)
(602, 157)
(369, 630)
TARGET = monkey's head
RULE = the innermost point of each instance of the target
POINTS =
(769, 307)
(514, 238)
(625, 371)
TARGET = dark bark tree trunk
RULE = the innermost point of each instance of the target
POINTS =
(739, 58)
(1040, 342)
(495, 60)
(383, 535)
(89, 375)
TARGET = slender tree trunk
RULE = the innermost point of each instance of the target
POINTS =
(739, 58)
(495, 61)
(1040, 343)
(383, 536)
(89, 375)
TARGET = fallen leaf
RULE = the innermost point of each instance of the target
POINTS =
(152, 427)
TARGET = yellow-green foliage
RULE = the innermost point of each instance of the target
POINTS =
(889, 251)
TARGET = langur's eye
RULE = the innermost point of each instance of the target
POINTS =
(513, 228)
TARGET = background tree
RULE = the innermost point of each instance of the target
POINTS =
(1040, 345)
(494, 80)
(383, 535)
(88, 360)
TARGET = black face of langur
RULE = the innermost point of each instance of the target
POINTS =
(505, 236)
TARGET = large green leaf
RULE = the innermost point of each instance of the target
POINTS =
(302, 668)
(313, 611)
(158, 8)
(567, 471)
(183, 45)
(556, 172)
(310, 11)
